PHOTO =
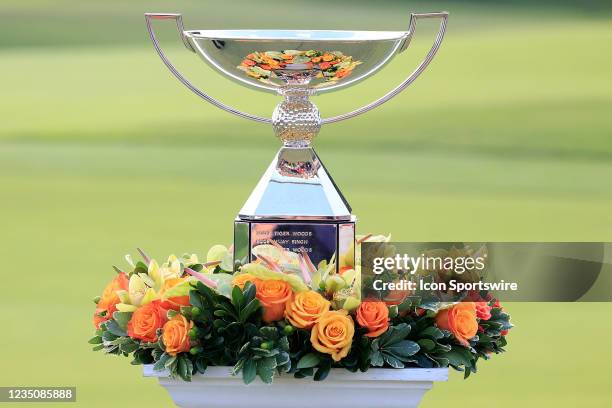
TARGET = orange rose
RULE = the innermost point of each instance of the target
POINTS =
(242, 279)
(174, 302)
(104, 311)
(109, 299)
(273, 295)
(333, 334)
(176, 335)
(460, 319)
(374, 316)
(146, 320)
(396, 297)
(306, 307)
(483, 310)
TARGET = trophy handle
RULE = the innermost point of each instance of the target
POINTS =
(414, 17)
(149, 17)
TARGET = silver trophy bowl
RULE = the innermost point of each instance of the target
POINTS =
(296, 206)
(358, 54)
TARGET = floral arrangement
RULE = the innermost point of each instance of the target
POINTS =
(331, 65)
(266, 319)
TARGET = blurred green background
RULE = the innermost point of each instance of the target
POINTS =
(507, 136)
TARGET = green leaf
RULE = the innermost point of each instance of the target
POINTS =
(269, 333)
(283, 343)
(170, 361)
(459, 356)
(442, 362)
(309, 360)
(129, 346)
(249, 309)
(160, 365)
(201, 365)
(265, 369)
(195, 299)
(249, 371)
(206, 292)
(425, 361)
(113, 327)
(377, 359)
(323, 371)
(442, 348)
(122, 319)
(394, 334)
(404, 348)
(95, 340)
(141, 267)
(237, 297)
(108, 336)
(427, 344)
(184, 368)
(392, 361)
(283, 360)
(249, 291)
(467, 373)
(432, 332)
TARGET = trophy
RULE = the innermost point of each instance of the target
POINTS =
(296, 214)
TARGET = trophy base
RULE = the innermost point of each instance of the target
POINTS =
(283, 241)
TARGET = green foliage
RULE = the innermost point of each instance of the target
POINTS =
(438, 348)
(393, 349)
(222, 325)
(255, 360)
(359, 357)
(309, 360)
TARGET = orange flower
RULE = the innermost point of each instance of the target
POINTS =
(273, 295)
(396, 296)
(146, 320)
(374, 316)
(460, 319)
(344, 269)
(333, 334)
(176, 335)
(304, 310)
(174, 302)
(483, 310)
(242, 279)
(109, 299)
(341, 73)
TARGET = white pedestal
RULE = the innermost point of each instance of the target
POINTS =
(379, 387)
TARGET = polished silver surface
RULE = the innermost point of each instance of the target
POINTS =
(296, 120)
(369, 51)
(297, 64)
(296, 186)
(363, 52)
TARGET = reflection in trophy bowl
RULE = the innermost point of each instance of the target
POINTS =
(319, 59)
(296, 67)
